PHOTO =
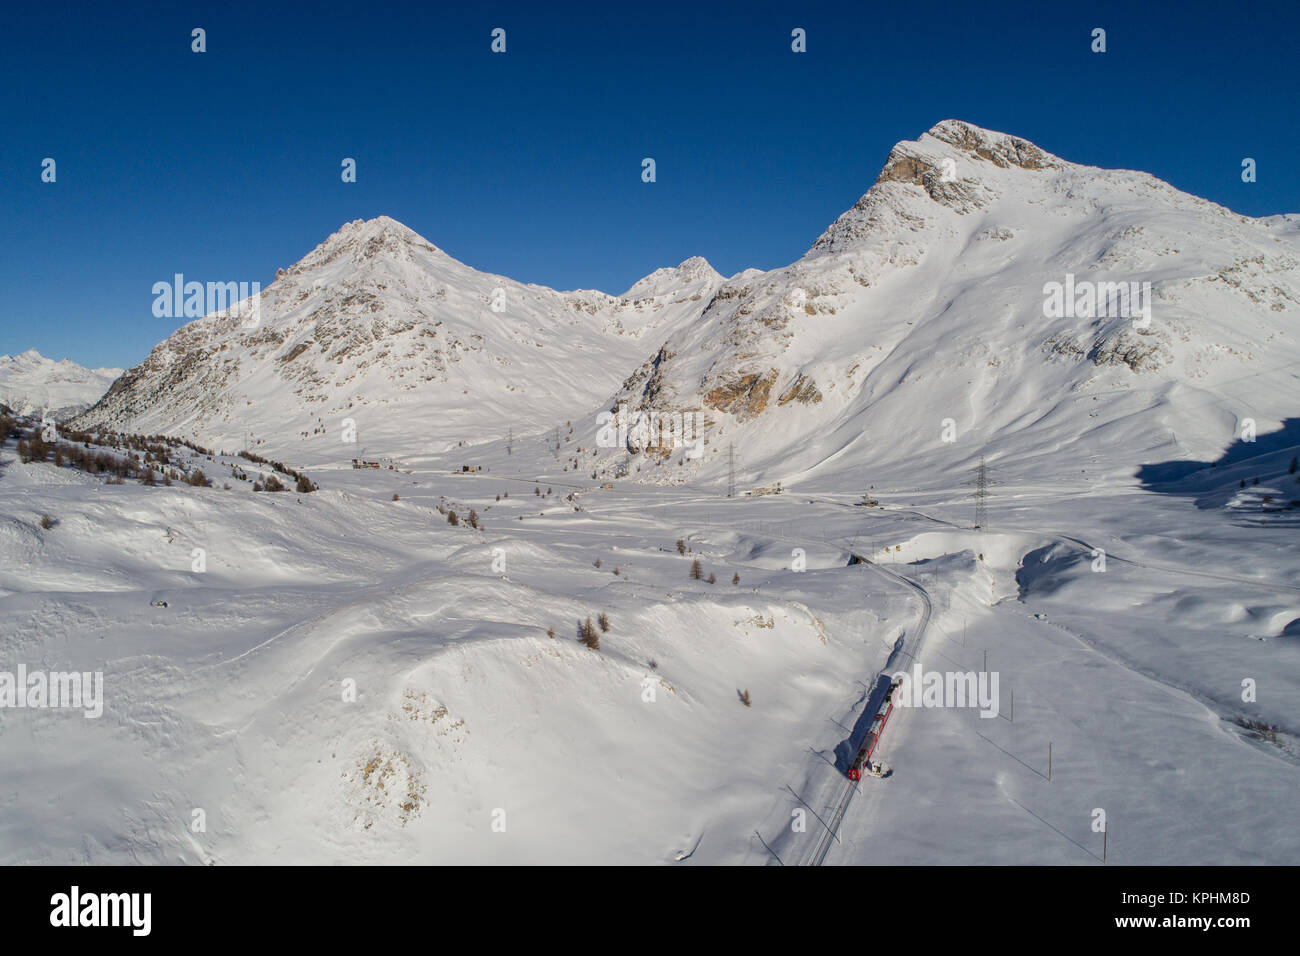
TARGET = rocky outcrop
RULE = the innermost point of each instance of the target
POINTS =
(744, 396)
(802, 390)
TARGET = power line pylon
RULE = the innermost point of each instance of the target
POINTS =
(982, 483)
(731, 470)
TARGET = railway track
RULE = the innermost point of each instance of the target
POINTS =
(848, 788)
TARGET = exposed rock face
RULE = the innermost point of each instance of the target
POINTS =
(1120, 345)
(803, 390)
(744, 396)
(999, 149)
(1140, 351)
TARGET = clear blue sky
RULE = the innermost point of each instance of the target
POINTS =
(225, 165)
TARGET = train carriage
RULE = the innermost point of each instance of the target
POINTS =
(862, 762)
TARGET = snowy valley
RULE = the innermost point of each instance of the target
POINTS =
(495, 646)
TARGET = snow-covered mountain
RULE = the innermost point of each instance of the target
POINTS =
(31, 384)
(420, 351)
(918, 328)
(927, 301)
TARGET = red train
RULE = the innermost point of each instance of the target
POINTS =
(862, 762)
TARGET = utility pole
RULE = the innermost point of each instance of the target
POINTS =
(510, 442)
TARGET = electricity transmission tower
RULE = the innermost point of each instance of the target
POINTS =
(731, 470)
(982, 483)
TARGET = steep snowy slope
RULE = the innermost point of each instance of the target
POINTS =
(422, 352)
(929, 300)
(31, 384)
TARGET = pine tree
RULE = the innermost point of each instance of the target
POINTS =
(697, 572)
(588, 635)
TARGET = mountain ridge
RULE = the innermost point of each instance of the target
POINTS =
(937, 274)
(32, 384)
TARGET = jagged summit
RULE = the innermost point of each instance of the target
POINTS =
(954, 164)
(381, 229)
(1001, 149)
(363, 241)
(691, 272)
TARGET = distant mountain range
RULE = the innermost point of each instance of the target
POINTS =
(31, 384)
